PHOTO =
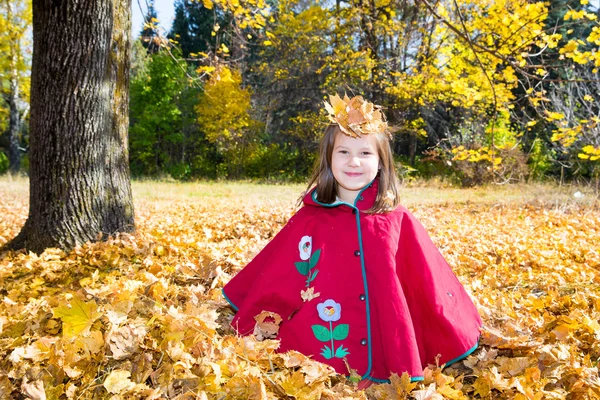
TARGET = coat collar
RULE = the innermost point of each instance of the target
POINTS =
(364, 201)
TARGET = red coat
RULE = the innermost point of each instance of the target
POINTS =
(388, 300)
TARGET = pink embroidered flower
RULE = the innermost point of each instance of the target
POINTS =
(305, 247)
(329, 310)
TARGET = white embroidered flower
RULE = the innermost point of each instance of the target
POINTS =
(305, 247)
(329, 310)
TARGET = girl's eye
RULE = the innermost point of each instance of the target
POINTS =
(343, 151)
(367, 153)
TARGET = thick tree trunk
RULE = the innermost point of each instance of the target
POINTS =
(79, 173)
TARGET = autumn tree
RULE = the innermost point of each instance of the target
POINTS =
(79, 174)
(15, 24)
(223, 115)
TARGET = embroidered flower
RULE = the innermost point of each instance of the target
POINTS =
(305, 247)
(329, 310)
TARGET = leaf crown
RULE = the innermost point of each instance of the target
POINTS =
(356, 116)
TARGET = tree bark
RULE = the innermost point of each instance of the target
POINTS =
(79, 172)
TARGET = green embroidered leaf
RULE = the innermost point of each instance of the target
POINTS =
(340, 332)
(302, 267)
(312, 276)
(341, 352)
(314, 259)
(326, 352)
(321, 333)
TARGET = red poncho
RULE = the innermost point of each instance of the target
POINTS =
(388, 303)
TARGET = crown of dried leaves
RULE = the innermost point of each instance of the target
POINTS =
(356, 116)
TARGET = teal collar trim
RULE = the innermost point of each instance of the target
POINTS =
(341, 203)
(229, 301)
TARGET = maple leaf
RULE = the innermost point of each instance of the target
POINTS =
(401, 385)
(267, 325)
(118, 381)
(295, 385)
(77, 316)
(427, 394)
(34, 390)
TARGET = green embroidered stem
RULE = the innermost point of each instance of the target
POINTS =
(331, 330)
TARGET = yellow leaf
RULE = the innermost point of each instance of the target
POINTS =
(77, 317)
(450, 393)
(118, 381)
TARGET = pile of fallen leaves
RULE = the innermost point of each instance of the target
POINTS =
(142, 316)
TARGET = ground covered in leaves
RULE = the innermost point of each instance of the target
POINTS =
(142, 316)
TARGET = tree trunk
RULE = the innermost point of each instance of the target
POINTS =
(79, 173)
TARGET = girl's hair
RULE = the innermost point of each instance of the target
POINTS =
(388, 193)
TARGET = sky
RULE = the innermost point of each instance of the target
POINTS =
(164, 8)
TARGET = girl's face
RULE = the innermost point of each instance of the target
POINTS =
(354, 163)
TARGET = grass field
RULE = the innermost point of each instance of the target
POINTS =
(418, 193)
(142, 316)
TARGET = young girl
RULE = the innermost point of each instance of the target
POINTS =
(353, 279)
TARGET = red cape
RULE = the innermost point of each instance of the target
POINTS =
(388, 303)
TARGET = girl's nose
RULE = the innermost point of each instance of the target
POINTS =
(354, 161)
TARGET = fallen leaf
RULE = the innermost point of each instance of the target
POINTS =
(77, 316)
(118, 381)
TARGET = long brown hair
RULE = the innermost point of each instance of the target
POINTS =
(388, 193)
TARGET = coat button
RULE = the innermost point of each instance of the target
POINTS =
(363, 342)
(357, 253)
(362, 297)
(361, 197)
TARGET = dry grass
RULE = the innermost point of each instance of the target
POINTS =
(421, 193)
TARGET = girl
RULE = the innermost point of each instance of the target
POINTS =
(353, 279)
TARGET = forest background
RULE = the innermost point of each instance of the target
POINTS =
(479, 90)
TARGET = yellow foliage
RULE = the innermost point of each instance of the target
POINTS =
(590, 152)
(224, 105)
(528, 268)
(77, 316)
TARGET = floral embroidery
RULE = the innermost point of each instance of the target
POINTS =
(330, 311)
(305, 247)
(309, 261)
